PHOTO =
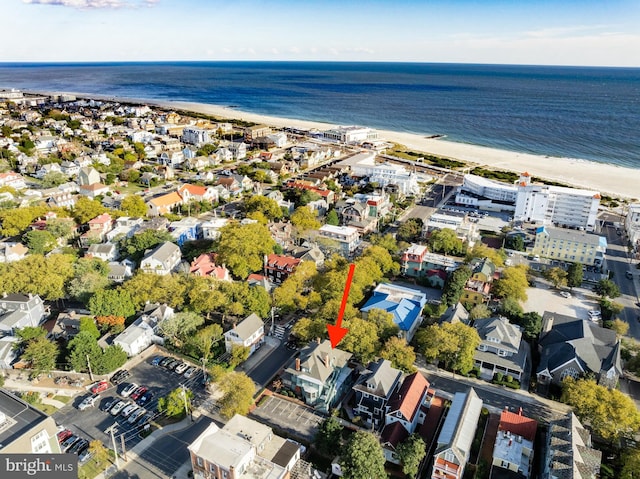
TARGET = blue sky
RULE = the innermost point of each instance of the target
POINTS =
(546, 32)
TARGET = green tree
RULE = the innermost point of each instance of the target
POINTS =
(84, 345)
(86, 209)
(59, 227)
(112, 302)
(88, 325)
(400, 354)
(180, 327)
(619, 326)
(630, 463)
(329, 436)
(574, 275)
(557, 276)
(451, 344)
(606, 288)
(238, 390)
(387, 241)
(89, 276)
(135, 246)
(148, 287)
(479, 311)
(307, 329)
(53, 179)
(445, 241)
(304, 219)
(610, 413)
(513, 283)
(134, 206)
(173, 404)
(511, 308)
(295, 293)
(111, 359)
(98, 451)
(267, 206)
(531, 323)
(36, 274)
(361, 340)
(42, 354)
(514, 242)
(481, 250)
(332, 218)
(204, 295)
(363, 457)
(15, 221)
(39, 241)
(610, 309)
(410, 231)
(243, 247)
(27, 334)
(204, 339)
(383, 321)
(454, 285)
(411, 452)
(239, 354)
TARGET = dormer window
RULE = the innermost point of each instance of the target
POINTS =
(370, 386)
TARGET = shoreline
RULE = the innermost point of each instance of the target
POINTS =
(612, 180)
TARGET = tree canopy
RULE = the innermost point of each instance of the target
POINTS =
(400, 354)
(607, 288)
(237, 398)
(452, 344)
(41, 353)
(112, 302)
(86, 209)
(557, 276)
(363, 457)
(512, 284)
(243, 247)
(329, 436)
(37, 274)
(411, 452)
(410, 231)
(574, 275)
(304, 219)
(454, 285)
(267, 206)
(446, 241)
(134, 206)
(481, 250)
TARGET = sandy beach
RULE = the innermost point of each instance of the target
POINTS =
(611, 180)
(608, 179)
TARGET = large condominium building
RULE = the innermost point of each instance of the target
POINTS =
(546, 204)
(570, 245)
(195, 136)
(350, 134)
(632, 225)
(384, 174)
(556, 204)
(347, 237)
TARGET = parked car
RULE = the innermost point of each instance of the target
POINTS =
(120, 376)
(135, 395)
(128, 389)
(181, 368)
(64, 435)
(89, 401)
(81, 444)
(165, 361)
(147, 418)
(126, 412)
(120, 405)
(99, 387)
(108, 404)
(565, 294)
(145, 398)
(190, 372)
(70, 441)
(156, 361)
(137, 414)
(84, 456)
(171, 364)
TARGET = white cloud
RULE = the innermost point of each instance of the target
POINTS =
(87, 4)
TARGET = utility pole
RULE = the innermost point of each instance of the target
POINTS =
(89, 366)
(186, 407)
(124, 448)
(115, 449)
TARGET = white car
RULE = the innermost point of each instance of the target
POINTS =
(126, 412)
(564, 294)
(190, 372)
(88, 402)
(129, 388)
(120, 405)
(136, 415)
(181, 368)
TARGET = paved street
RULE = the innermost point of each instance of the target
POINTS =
(265, 363)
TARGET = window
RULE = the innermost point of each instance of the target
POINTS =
(199, 461)
(40, 443)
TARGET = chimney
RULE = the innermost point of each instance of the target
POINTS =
(325, 359)
(297, 364)
(318, 340)
(234, 325)
(520, 411)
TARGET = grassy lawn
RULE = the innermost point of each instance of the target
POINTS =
(64, 399)
(92, 468)
(47, 408)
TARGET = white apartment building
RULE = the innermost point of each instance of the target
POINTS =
(364, 165)
(632, 225)
(350, 134)
(556, 205)
(346, 236)
(486, 194)
(195, 136)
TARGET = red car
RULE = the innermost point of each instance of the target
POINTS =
(64, 435)
(97, 388)
(135, 395)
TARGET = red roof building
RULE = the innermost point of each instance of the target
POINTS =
(205, 265)
(279, 267)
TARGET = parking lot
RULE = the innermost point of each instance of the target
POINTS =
(542, 298)
(297, 420)
(94, 421)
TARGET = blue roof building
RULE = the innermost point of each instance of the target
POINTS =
(405, 304)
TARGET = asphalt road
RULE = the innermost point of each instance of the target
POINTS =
(268, 366)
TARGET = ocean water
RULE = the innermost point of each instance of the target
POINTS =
(574, 112)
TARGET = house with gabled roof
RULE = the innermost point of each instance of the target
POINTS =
(162, 260)
(163, 204)
(279, 267)
(320, 375)
(406, 305)
(406, 409)
(501, 348)
(206, 265)
(569, 452)
(373, 391)
(456, 313)
(190, 192)
(248, 333)
(454, 442)
(571, 347)
(144, 331)
(513, 447)
(477, 289)
(18, 311)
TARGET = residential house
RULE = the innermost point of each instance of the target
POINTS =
(12, 179)
(88, 176)
(231, 185)
(308, 252)
(278, 197)
(119, 272)
(144, 331)
(94, 190)
(281, 232)
(162, 260)
(501, 348)
(19, 310)
(513, 448)
(195, 136)
(242, 449)
(325, 193)
(261, 280)
(104, 251)
(171, 158)
(457, 222)
(454, 442)
(185, 229)
(238, 150)
(571, 347)
(197, 193)
(8, 349)
(206, 265)
(211, 228)
(66, 326)
(25, 429)
(279, 267)
(70, 168)
(364, 165)
(418, 263)
(347, 238)
(124, 227)
(404, 303)
(10, 252)
(478, 287)
(279, 139)
(320, 375)
(570, 246)
(223, 155)
(244, 181)
(632, 226)
(405, 411)
(455, 314)
(197, 163)
(61, 199)
(373, 391)
(248, 333)
(98, 229)
(256, 131)
(44, 170)
(161, 205)
(569, 451)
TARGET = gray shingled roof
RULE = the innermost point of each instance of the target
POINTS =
(505, 335)
(312, 360)
(248, 326)
(570, 455)
(381, 376)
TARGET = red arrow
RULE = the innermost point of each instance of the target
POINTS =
(336, 332)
